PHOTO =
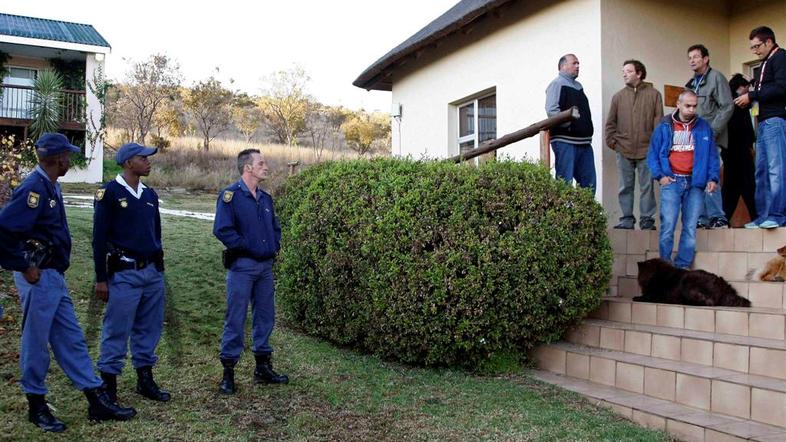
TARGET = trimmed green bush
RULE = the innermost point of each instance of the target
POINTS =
(434, 263)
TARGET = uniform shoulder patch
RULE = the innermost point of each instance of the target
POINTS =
(228, 194)
(100, 194)
(33, 199)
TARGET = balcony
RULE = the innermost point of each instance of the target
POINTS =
(16, 107)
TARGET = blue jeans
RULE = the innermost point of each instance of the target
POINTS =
(770, 194)
(676, 196)
(135, 310)
(249, 282)
(628, 169)
(49, 321)
(574, 161)
(713, 205)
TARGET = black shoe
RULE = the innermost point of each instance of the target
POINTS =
(227, 385)
(147, 387)
(647, 225)
(264, 373)
(718, 223)
(624, 225)
(101, 408)
(110, 385)
(701, 225)
(39, 414)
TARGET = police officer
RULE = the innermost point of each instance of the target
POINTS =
(129, 272)
(36, 244)
(247, 225)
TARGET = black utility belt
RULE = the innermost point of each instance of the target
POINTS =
(137, 264)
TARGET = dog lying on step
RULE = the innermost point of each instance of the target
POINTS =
(775, 269)
(664, 283)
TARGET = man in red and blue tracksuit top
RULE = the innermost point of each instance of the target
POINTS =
(246, 224)
(684, 161)
(129, 268)
(36, 244)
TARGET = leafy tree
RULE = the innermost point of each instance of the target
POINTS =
(364, 131)
(171, 116)
(247, 115)
(286, 104)
(46, 103)
(149, 84)
(209, 103)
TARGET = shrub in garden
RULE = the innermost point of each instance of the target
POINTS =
(434, 263)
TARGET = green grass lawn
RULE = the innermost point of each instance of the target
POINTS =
(334, 394)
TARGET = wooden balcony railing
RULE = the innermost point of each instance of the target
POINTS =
(16, 104)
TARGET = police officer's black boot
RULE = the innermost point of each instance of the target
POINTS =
(227, 385)
(41, 416)
(147, 387)
(264, 373)
(102, 408)
(110, 385)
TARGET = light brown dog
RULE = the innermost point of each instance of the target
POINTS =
(775, 269)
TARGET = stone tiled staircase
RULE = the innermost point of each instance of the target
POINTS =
(700, 373)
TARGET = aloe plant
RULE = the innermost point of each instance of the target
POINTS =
(46, 103)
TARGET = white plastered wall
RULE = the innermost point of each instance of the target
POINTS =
(745, 17)
(95, 153)
(516, 54)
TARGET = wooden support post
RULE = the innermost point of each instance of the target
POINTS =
(545, 151)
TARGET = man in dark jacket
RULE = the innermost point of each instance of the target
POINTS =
(738, 156)
(635, 111)
(684, 160)
(770, 92)
(246, 224)
(570, 142)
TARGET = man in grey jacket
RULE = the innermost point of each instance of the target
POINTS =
(716, 107)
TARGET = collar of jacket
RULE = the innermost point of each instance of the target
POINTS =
(690, 83)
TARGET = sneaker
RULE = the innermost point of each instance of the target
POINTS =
(701, 225)
(718, 223)
(752, 225)
(769, 224)
(624, 225)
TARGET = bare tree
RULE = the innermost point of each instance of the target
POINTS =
(210, 105)
(286, 104)
(148, 84)
(323, 125)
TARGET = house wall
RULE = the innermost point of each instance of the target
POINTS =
(657, 33)
(27, 62)
(516, 54)
(93, 173)
(746, 16)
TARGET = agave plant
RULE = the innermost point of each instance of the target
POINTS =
(46, 103)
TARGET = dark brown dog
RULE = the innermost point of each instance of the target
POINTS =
(664, 283)
(775, 269)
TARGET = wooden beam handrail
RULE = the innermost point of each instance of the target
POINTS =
(527, 132)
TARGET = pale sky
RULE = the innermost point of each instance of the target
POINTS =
(334, 41)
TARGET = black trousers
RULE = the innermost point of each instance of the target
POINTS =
(738, 180)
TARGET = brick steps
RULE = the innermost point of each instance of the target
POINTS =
(758, 398)
(757, 356)
(686, 423)
(757, 322)
(638, 242)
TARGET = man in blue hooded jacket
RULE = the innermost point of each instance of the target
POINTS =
(684, 160)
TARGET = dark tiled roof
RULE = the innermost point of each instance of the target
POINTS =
(463, 13)
(45, 29)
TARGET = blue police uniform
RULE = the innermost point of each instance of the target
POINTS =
(36, 211)
(248, 226)
(130, 224)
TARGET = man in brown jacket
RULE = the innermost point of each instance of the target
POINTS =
(634, 113)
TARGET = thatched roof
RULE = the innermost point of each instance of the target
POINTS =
(465, 12)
